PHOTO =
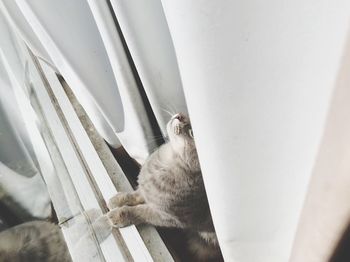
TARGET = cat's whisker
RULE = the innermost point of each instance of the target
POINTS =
(154, 137)
(168, 112)
(154, 140)
(172, 108)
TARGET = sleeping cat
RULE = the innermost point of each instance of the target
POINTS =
(171, 192)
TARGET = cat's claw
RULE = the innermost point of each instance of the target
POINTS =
(118, 217)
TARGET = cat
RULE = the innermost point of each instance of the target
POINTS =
(171, 192)
(33, 241)
(42, 241)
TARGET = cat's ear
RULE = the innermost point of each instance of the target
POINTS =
(190, 132)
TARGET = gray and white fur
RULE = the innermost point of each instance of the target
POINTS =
(171, 192)
(33, 241)
(42, 241)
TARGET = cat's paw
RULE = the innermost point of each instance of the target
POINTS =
(119, 217)
(116, 201)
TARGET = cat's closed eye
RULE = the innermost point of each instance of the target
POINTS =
(190, 132)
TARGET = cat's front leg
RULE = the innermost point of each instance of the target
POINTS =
(122, 217)
(125, 199)
(141, 214)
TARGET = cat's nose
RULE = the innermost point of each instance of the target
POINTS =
(179, 117)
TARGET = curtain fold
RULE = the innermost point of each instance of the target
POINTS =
(258, 78)
(147, 36)
(20, 177)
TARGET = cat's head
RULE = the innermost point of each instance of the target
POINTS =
(181, 137)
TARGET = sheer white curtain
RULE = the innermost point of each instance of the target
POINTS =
(148, 38)
(20, 176)
(81, 40)
(258, 79)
